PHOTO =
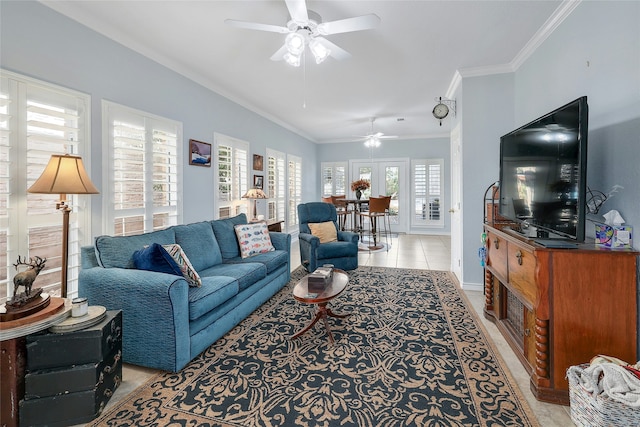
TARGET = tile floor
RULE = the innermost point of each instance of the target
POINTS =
(421, 252)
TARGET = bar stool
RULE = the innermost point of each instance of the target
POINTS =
(387, 214)
(377, 209)
(341, 210)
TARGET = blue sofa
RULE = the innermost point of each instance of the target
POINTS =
(166, 322)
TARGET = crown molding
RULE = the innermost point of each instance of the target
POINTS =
(554, 21)
(550, 25)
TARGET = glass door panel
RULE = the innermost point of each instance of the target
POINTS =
(387, 178)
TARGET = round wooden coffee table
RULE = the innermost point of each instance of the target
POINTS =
(302, 293)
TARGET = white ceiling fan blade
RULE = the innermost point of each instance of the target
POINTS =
(256, 26)
(388, 136)
(358, 23)
(279, 55)
(336, 51)
(298, 10)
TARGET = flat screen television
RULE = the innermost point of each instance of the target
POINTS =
(543, 173)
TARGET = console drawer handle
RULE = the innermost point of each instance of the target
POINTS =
(519, 256)
(496, 243)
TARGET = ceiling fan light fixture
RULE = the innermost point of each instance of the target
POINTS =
(319, 51)
(372, 141)
(293, 60)
(295, 43)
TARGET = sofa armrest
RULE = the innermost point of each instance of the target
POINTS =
(348, 236)
(280, 241)
(155, 313)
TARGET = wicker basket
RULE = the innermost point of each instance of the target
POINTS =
(587, 411)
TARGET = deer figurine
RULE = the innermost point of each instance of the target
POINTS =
(26, 278)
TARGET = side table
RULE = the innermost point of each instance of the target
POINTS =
(13, 354)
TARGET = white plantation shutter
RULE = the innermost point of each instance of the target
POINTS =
(144, 171)
(334, 179)
(295, 190)
(427, 177)
(232, 175)
(37, 120)
(276, 184)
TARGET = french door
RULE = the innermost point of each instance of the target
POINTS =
(388, 177)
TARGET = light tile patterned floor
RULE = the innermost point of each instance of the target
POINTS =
(421, 252)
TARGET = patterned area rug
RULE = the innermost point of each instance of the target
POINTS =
(411, 354)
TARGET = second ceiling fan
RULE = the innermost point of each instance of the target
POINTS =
(373, 139)
(307, 29)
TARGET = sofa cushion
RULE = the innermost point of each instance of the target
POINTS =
(272, 260)
(199, 243)
(226, 235)
(325, 231)
(188, 272)
(117, 251)
(253, 239)
(156, 258)
(246, 273)
(214, 291)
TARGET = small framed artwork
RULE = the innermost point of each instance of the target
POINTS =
(257, 162)
(258, 181)
(199, 153)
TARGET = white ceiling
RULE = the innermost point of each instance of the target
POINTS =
(396, 70)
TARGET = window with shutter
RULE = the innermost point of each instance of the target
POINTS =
(295, 190)
(232, 175)
(276, 185)
(427, 178)
(334, 178)
(37, 120)
(144, 171)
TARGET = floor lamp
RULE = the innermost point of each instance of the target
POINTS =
(253, 194)
(65, 174)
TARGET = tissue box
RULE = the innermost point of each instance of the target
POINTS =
(616, 236)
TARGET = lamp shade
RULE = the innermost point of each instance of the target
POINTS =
(255, 193)
(64, 174)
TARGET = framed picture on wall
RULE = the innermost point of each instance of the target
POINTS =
(258, 181)
(257, 162)
(199, 153)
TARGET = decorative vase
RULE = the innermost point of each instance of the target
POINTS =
(358, 194)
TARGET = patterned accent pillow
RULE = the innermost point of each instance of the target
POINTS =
(155, 258)
(188, 272)
(325, 231)
(253, 239)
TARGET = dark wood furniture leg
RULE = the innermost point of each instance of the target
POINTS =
(322, 313)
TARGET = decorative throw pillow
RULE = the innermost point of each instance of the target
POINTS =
(253, 239)
(156, 258)
(325, 231)
(188, 272)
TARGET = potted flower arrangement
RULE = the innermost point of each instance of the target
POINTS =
(358, 186)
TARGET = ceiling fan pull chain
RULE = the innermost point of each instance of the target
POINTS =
(304, 81)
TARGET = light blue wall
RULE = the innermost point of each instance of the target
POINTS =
(38, 42)
(488, 114)
(594, 52)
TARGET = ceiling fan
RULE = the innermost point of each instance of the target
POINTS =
(373, 139)
(307, 29)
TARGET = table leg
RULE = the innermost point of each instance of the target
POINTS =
(322, 313)
(13, 361)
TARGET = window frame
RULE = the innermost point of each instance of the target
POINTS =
(334, 176)
(17, 178)
(427, 222)
(236, 205)
(150, 122)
